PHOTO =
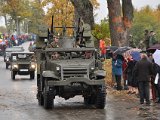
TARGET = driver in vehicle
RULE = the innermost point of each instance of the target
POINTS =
(55, 56)
(88, 55)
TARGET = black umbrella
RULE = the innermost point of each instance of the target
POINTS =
(121, 50)
(112, 48)
(153, 48)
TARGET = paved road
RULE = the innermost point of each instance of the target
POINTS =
(18, 102)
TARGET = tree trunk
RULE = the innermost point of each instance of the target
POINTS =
(127, 9)
(84, 10)
(5, 20)
(120, 25)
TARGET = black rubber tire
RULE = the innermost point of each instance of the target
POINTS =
(89, 100)
(7, 66)
(13, 75)
(39, 94)
(40, 99)
(32, 75)
(101, 98)
(48, 101)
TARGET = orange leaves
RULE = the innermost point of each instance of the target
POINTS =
(63, 12)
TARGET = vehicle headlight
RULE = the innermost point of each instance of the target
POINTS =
(92, 68)
(33, 66)
(58, 68)
(15, 66)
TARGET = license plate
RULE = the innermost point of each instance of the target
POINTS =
(23, 69)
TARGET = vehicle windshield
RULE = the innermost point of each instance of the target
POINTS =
(22, 57)
(70, 55)
(14, 49)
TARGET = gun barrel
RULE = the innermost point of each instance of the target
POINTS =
(52, 25)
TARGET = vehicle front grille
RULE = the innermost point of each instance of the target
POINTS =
(23, 66)
(68, 72)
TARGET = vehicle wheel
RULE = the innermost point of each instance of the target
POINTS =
(39, 95)
(32, 75)
(101, 98)
(4, 59)
(7, 66)
(40, 99)
(13, 75)
(89, 100)
(48, 101)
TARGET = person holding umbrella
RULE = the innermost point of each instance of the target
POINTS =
(117, 69)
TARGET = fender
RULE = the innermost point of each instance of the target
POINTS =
(100, 73)
(49, 74)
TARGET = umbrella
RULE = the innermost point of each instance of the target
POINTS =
(136, 55)
(122, 50)
(128, 52)
(156, 56)
(153, 48)
(112, 48)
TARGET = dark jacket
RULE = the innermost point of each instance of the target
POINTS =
(143, 69)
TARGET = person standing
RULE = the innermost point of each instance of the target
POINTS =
(13, 40)
(156, 69)
(117, 70)
(146, 38)
(152, 39)
(143, 70)
(124, 69)
(102, 46)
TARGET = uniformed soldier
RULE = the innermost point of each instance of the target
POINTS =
(54, 44)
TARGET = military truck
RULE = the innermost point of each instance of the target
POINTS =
(23, 63)
(7, 54)
(67, 71)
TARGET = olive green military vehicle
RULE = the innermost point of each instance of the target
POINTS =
(67, 71)
(22, 63)
(7, 54)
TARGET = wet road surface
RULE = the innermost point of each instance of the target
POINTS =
(18, 102)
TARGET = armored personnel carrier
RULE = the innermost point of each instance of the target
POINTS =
(67, 71)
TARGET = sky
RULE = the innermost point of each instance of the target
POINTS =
(102, 12)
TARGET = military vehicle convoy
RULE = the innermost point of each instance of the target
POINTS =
(22, 63)
(67, 71)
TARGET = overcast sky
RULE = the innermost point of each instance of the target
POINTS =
(102, 12)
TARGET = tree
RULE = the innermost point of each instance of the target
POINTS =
(101, 31)
(15, 11)
(3, 29)
(84, 10)
(66, 12)
(145, 19)
(37, 17)
(120, 21)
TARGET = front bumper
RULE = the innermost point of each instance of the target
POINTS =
(76, 80)
(19, 72)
